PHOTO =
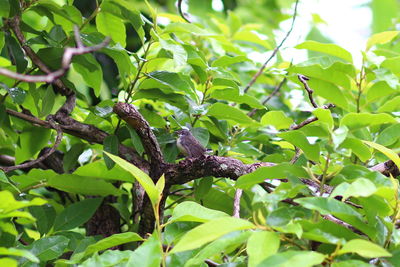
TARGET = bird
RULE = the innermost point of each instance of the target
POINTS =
(189, 145)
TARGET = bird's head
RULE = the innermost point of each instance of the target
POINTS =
(183, 132)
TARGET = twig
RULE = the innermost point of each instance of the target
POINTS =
(236, 203)
(276, 90)
(296, 155)
(303, 79)
(69, 52)
(274, 52)
(45, 155)
(181, 11)
(310, 120)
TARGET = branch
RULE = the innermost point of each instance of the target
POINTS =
(44, 156)
(132, 117)
(309, 120)
(236, 203)
(208, 165)
(51, 76)
(276, 90)
(84, 131)
(274, 52)
(181, 11)
(303, 79)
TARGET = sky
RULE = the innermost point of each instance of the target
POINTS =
(347, 24)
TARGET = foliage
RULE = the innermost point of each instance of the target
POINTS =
(325, 129)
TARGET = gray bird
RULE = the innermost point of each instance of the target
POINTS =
(189, 145)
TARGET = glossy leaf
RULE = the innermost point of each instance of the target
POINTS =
(299, 139)
(210, 231)
(364, 248)
(330, 49)
(261, 245)
(293, 258)
(140, 176)
(388, 152)
(76, 214)
(381, 38)
(359, 120)
(191, 211)
(278, 119)
(82, 185)
(225, 112)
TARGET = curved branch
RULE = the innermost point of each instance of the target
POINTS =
(181, 11)
(51, 76)
(131, 115)
(42, 157)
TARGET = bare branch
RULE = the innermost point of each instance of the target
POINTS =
(274, 52)
(181, 11)
(303, 79)
(276, 90)
(236, 203)
(45, 155)
(310, 120)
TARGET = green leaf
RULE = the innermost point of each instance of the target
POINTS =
(110, 145)
(172, 80)
(90, 70)
(327, 206)
(8, 262)
(18, 253)
(386, 151)
(378, 90)
(77, 184)
(108, 242)
(261, 245)
(381, 38)
(330, 49)
(210, 231)
(70, 158)
(76, 214)
(47, 102)
(389, 135)
(358, 148)
(45, 216)
(276, 118)
(140, 176)
(5, 8)
(279, 171)
(364, 248)
(293, 258)
(98, 169)
(17, 94)
(390, 105)
(226, 112)
(48, 248)
(32, 139)
(299, 139)
(149, 254)
(192, 211)
(9, 204)
(325, 116)
(227, 60)
(218, 246)
(112, 26)
(360, 120)
(361, 187)
(232, 94)
(351, 263)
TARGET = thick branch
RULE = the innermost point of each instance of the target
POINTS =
(130, 115)
(208, 165)
(84, 131)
